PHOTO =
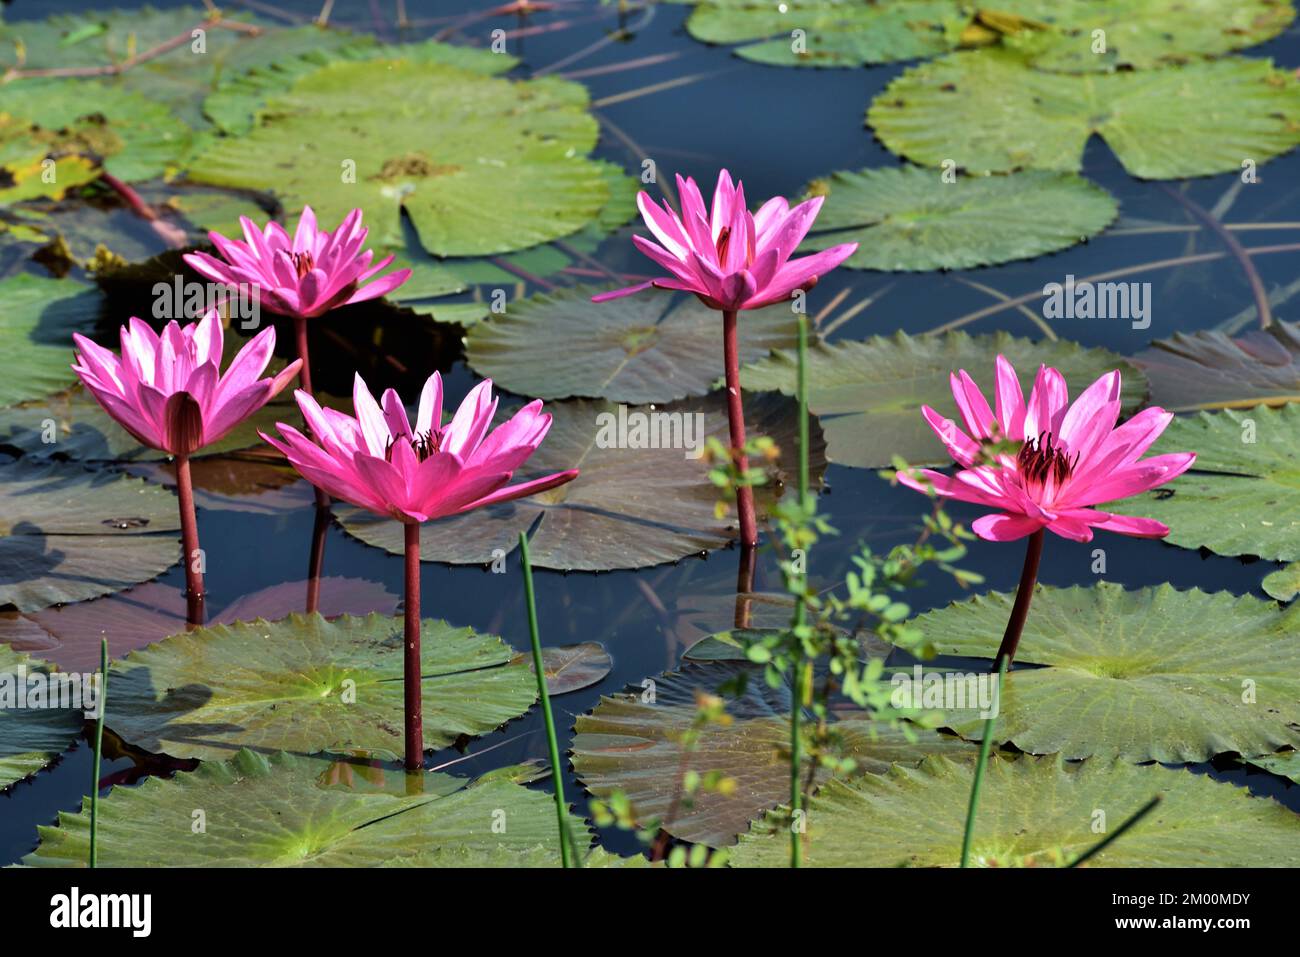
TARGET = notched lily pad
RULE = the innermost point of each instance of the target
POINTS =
(332, 810)
(868, 395)
(67, 534)
(633, 743)
(30, 736)
(1242, 496)
(571, 667)
(1034, 812)
(37, 319)
(304, 683)
(910, 219)
(1208, 370)
(1154, 674)
(645, 348)
(985, 112)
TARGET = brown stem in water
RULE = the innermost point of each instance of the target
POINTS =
(191, 556)
(745, 586)
(317, 560)
(1024, 595)
(411, 674)
(736, 423)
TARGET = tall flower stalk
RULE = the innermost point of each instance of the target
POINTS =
(1045, 465)
(99, 752)
(415, 473)
(169, 392)
(733, 261)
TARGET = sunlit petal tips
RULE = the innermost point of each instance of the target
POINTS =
(1067, 458)
(304, 276)
(168, 391)
(730, 258)
(379, 462)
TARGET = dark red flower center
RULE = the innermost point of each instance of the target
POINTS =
(303, 263)
(423, 444)
(724, 240)
(1041, 458)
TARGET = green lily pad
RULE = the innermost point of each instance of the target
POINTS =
(630, 508)
(1285, 764)
(633, 743)
(868, 395)
(571, 667)
(333, 810)
(1242, 496)
(238, 99)
(132, 136)
(30, 738)
(1149, 675)
(1033, 812)
(1208, 370)
(986, 112)
(37, 319)
(908, 219)
(481, 165)
(67, 534)
(1058, 36)
(287, 684)
(1283, 584)
(646, 348)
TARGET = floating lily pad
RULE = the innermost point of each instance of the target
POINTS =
(287, 810)
(1243, 495)
(1286, 764)
(67, 534)
(632, 743)
(69, 635)
(646, 348)
(1283, 584)
(1033, 812)
(287, 684)
(631, 507)
(30, 737)
(986, 112)
(133, 137)
(37, 319)
(1053, 34)
(237, 100)
(1208, 370)
(571, 667)
(909, 219)
(480, 164)
(868, 395)
(1147, 675)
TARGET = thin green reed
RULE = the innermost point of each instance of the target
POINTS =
(986, 743)
(800, 614)
(99, 750)
(568, 855)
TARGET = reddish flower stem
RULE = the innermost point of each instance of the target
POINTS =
(736, 422)
(189, 541)
(317, 560)
(304, 379)
(412, 668)
(1024, 595)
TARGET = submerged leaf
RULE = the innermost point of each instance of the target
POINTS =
(1208, 370)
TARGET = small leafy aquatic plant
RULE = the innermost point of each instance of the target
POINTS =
(168, 391)
(415, 473)
(732, 260)
(1045, 464)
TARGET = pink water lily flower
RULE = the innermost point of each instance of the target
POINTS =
(1071, 458)
(310, 274)
(413, 473)
(168, 390)
(730, 258)
(380, 461)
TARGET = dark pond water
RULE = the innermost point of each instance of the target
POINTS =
(777, 128)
